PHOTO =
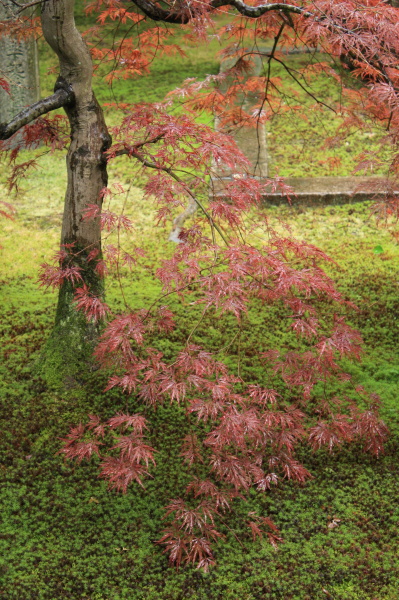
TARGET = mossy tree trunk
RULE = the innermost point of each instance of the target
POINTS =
(69, 349)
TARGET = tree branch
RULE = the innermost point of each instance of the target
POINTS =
(63, 95)
(156, 13)
(22, 7)
(254, 12)
(151, 165)
(130, 150)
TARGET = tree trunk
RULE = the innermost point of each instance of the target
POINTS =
(68, 352)
(19, 65)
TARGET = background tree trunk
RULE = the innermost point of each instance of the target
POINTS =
(19, 65)
(69, 349)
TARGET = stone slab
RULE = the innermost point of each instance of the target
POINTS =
(329, 190)
(250, 140)
(322, 190)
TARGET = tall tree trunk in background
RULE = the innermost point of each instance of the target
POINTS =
(69, 349)
(19, 65)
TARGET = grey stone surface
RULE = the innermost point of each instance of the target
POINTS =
(19, 65)
(252, 143)
(329, 190)
(250, 140)
(321, 190)
(305, 190)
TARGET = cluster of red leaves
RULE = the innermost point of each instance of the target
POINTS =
(109, 220)
(249, 440)
(189, 538)
(133, 57)
(184, 141)
(21, 28)
(7, 211)
(63, 269)
(68, 267)
(52, 131)
(92, 306)
(259, 524)
(128, 56)
(125, 461)
(251, 433)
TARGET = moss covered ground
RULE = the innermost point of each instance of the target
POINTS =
(306, 138)
(64, 536)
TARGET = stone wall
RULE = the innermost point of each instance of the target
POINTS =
(19, 65)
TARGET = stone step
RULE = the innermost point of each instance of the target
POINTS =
(330, 190)
(322, 190)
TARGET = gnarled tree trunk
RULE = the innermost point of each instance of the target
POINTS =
(70, 346)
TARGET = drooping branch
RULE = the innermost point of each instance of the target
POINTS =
(62, 96)
(185, 15)
(130, 150)
(193, 199)
(359, 51)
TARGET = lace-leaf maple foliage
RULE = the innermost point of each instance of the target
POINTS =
(244, 435)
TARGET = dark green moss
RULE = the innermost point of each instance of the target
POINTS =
(67, 356)
(65, 537)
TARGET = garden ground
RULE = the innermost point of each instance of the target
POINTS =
(65, 536)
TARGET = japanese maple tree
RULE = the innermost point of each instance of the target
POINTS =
(243, 434)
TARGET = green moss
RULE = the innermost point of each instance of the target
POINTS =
(314, 139)
(67, 355)
(65, 536)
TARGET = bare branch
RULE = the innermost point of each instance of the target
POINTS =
(34, 3)
(22, 7)
(156, 13)
(62, 96)
(254, 12)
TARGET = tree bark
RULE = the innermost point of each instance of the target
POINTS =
(19, 65)
(70, 346)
